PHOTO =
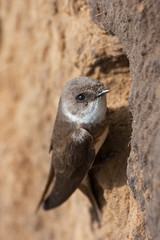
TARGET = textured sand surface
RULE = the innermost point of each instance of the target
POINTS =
(43, 44)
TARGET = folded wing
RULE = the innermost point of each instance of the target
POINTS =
(76, 162)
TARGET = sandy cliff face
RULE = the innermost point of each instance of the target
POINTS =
(136, 24)
(43, 44)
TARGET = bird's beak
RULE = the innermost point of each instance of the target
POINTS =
(104, 91)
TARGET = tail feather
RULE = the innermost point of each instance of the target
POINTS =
(49, 181)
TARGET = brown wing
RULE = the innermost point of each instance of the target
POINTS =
(77, 160)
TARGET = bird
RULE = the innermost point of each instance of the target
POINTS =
(80, 129)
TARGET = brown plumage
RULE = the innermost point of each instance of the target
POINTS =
(81, 121)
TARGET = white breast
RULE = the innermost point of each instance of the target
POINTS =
(101, 140)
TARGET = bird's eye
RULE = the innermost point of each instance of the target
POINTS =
(80, 97)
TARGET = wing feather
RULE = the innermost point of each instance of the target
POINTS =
(77, 161)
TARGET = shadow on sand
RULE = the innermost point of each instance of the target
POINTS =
(115, 152)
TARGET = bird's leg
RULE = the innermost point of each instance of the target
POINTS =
(100, 161)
